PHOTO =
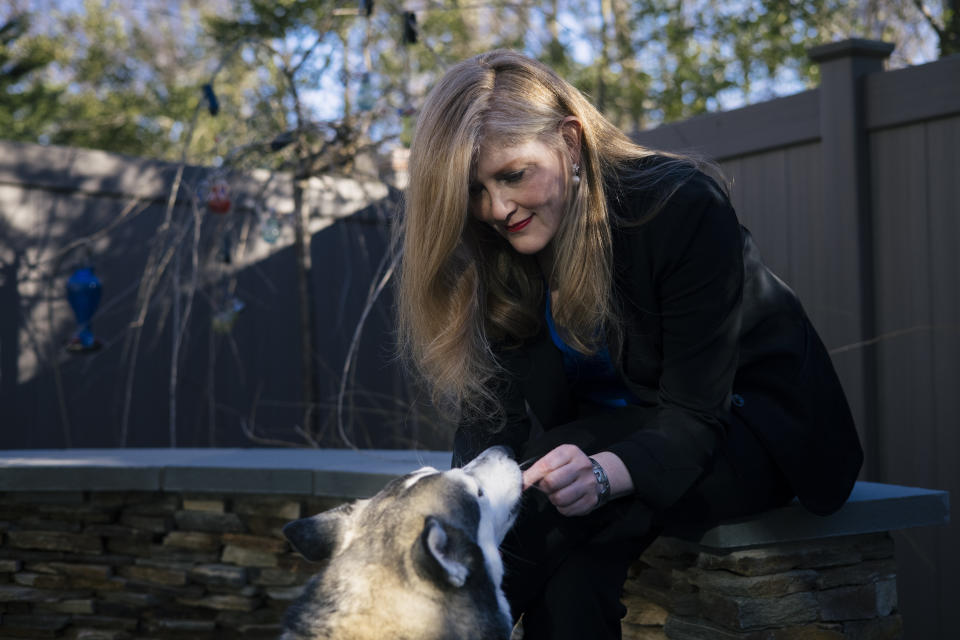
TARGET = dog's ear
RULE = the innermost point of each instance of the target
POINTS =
(446, 552)
(317, 537)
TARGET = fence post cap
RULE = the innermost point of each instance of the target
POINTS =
(850, 48)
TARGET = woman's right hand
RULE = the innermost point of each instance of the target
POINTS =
(565, 476)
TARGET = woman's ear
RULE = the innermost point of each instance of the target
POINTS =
(572, 132)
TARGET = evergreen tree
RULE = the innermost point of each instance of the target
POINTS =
(28, 102)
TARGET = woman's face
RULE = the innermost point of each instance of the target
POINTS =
(520, 190)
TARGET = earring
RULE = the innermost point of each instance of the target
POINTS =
(576, 175)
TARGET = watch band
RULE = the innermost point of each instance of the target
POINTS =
(603, 481)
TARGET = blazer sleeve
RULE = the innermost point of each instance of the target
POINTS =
(693, 253)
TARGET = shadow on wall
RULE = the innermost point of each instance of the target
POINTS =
(9, 325)
(236, 388)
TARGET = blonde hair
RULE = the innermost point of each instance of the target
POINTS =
(462, 288)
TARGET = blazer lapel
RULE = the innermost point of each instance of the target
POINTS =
(538, 367)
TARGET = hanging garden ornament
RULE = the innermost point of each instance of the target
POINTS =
(218, 198)
(270, 228)
(213, 105)
(225, 253)
(224, 320)
(366, 98)
(409, 27)
(83, 294)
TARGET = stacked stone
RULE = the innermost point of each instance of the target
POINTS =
(842, 587)
(148, 566)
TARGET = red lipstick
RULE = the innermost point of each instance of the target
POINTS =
(513, 228)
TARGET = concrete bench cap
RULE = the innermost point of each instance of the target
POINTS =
(342, 473)
(348, 473)
(872, 507)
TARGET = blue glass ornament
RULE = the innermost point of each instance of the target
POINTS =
(83, 294)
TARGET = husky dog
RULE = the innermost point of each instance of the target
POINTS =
(417, 561)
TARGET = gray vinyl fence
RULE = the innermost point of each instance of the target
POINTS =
(852, 192)
(233, 388)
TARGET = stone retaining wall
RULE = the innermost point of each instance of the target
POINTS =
(841, 587)
(94, 565)
(148, 565)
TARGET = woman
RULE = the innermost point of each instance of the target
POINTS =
(597, 307)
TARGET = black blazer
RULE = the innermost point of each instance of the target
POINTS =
(707, 329)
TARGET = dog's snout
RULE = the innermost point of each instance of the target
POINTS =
(494, 456)
(498, 451)
(496, 473)
(507, 451)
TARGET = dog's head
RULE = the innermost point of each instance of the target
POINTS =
(420, 556)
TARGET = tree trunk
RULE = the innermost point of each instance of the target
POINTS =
(305, 298)
(604, 62)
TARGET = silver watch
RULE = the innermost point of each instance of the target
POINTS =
(603, 481)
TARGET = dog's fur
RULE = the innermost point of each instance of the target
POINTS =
(418, 561)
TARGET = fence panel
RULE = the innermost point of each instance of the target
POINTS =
(246, 377)
(943, 198)
(907, 430)
(915, 195)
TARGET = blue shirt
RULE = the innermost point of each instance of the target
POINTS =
(592, 377)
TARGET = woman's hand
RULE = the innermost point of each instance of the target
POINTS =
(565, 476)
